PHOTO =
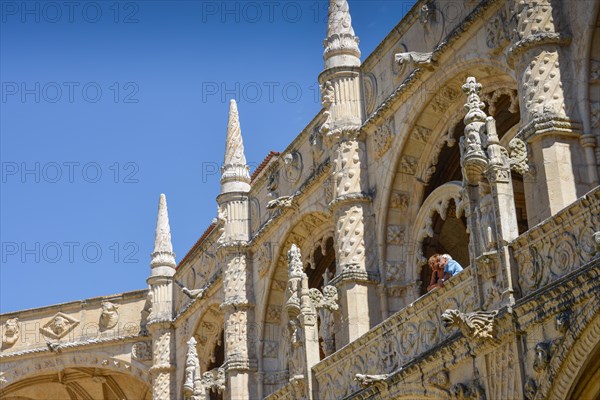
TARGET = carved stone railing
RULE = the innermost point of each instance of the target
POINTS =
(559, 245)
(401, 338)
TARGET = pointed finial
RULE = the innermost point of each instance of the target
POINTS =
(235, 174)
(234, 151)
(474, 160)
(341, 44)
(163, 255)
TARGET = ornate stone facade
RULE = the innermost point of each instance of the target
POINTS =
(311, 283)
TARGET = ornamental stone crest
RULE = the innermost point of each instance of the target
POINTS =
(59, 326)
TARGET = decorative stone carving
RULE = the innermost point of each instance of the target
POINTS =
(594, 71)
(340, 34)
(530, 389)
(59, 326)
(255, 220)
(326, 304)
(395, 271)
(214, 380)
(369, 380)
(542, 356)
(440, 380)
(327, 100)
(518, 156)
(271, 349)
(472, 154)
(281, 202)
(415, 59)
(408, 165)
(110, 315)
(194, 293)
(399, 200)
(427, 14)
(295, 348)
(497, 31)
(474, 391)
(263, 257)
(395, 234)
(370, 90)
(11, 332)
(474, 325)
(382, 139)
(273, 182)
(421, 133)
(142, 351)
(595, 114)
(563, 321)
(292, 166)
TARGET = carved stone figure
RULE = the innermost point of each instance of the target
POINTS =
(192, 369)
(142, 351)
(59, 326)
(542, 356)
(193, 293)
(110, 315)
(293, 166)
(368, 380)
(518, 156)
(487, 227)
(530, 389)
(326, 304)
(475, 325)
(563, 321)
(11, 332)
(281, 202)
(295, 362)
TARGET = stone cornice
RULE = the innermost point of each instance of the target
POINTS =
(535, 40)
(549, 124)
(5, 357)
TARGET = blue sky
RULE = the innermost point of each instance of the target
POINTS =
(104, 105)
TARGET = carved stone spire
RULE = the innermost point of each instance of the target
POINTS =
(341, 44)
(235, 174)
(163, 255)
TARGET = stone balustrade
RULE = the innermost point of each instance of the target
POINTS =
(558, 245)
(409, 333)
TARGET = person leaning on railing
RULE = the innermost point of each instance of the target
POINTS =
(443, 267)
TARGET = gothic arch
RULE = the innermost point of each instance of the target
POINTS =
(307, 231)
(435, 127)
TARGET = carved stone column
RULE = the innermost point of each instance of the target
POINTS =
(353, 215)
(159, 323)
(492, 215)
(303, 337)
(238, 304)
(549, 123)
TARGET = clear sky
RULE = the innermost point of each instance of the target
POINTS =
(107, 104)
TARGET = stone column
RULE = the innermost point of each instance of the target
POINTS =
(351, 207)
(159, 323)
(549, 124)
(238, 304)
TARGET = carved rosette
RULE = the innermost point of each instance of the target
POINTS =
(59, 326)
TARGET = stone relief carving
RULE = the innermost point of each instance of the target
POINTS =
(11, 332)
(421, 133)
(142, 351)
(273, 182)
(326, 303)
(594, 71)
(415, 59)
(369, 380)
(498, 31)
(440, 380)
(563, 321)
(474, 391)
(295, 348)
(327, 100)
(395, 234)
(109, 318)
(255, 220)
(59, 326)
(292, 166)
(370, 91)
(530, 389)
(474, 325)
(382, 139)
(427, 13)
(271, 349)
(408, 165)
(541, 357)
(214, 381)
(263, 258)
(399, 200)
(395, 271)
(518, 156)
(281, 202)
(595, 113)
(193, 293)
